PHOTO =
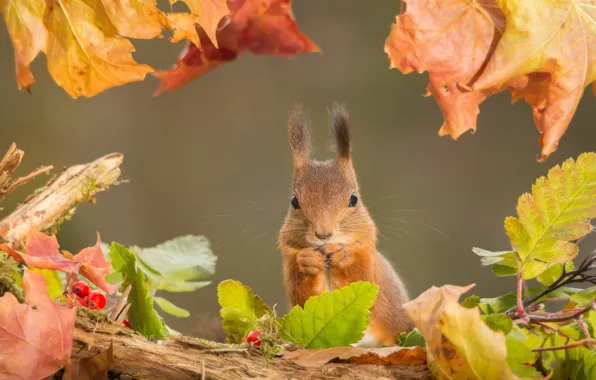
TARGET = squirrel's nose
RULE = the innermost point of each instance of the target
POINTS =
(323, 236)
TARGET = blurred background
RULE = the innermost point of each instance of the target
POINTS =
(212, 158)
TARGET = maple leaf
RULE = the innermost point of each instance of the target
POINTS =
(564, 47)
(450, 40)
(258, 26)
(42, 252)
(209, 14)
(39, 330)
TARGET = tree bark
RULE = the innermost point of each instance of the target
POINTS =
(181, 357)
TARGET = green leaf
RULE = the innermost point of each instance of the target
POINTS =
(114, 278)
(498, 322)
(519, 353)
(337, 318)
(471, 301)
(554, 272)
(557, 212)
(142, 317)
(170, 308)
(177, 264)
(490, 257)
(240, 309)
(55, 287)
(504, 270)
(497, 304)
(584, 297)
(412, 339)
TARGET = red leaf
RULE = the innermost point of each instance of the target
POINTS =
(95, 267)
(259, 26)
(39, 330)
(42, 252)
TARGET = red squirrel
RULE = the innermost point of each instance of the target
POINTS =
(328, 239)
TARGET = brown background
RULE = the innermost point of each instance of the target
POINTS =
(212, 158)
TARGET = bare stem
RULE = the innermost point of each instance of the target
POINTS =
(520, 305)
(548, 327)
(579, 343)
(560, 317)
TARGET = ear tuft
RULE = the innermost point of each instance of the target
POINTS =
(340, 128)
(298, 134)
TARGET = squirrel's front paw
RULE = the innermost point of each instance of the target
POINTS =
(338, 255)
(310, 261)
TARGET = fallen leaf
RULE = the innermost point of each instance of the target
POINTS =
(450, 40)
(258, 26)
(42, 252)
(94, 367)
(458, 343)
(39, 330)
(357, 355)
(563, 47)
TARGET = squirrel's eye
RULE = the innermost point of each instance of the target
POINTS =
(353, 200)
(294, 202)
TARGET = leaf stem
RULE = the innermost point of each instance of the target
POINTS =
(520, 305)
(548, 327)
(579, 343)
(560, 317)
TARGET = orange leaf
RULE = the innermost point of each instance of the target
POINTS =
(357, 355)
(25, 26)
(36, 336)
(208, 13)
(259, 26)
(563, 47)
(95, 267)
(85, 55)
(451, 40)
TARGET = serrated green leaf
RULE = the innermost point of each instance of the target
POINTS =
(412, 339)
(114, 278)
(554, 272)
(55, 287)
(170, 308)
(498, 322)
(240, 309)
(471, 301)
(558, 211)
(337, 318)
(142, 316)
(177, 264)
(490, 257)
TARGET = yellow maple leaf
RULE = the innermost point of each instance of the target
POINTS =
(24, 20)
(85, 55)
(557, 37)
(459, 344)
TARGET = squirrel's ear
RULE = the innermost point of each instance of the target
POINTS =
(299, 135)
(340, 128)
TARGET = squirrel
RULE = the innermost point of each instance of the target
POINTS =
(328, 239)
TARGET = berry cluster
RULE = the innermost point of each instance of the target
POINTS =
(94, 299)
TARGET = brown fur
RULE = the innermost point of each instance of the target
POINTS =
(311, 265)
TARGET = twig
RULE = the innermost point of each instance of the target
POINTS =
(579, 343)
(23, 180)
(559, 317)
(584, 328)
(58, 200)
(520, 305)
(9, 164)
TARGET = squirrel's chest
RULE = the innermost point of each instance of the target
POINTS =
(334, 279)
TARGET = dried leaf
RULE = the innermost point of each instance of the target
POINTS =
(563, 47)
(94, 367)
(459, 344)
(208, 13)
(357, 355)
(39, 330)
(258, 26)
(94, 266)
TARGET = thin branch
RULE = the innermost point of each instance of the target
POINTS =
(23, 180)
(579, 343)
(553, 329)
(559, 317)
(520, 305)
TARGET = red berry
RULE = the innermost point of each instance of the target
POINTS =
(83, 301)
(253, 338)
(97, 300)
(80, 288)
(125, 322)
